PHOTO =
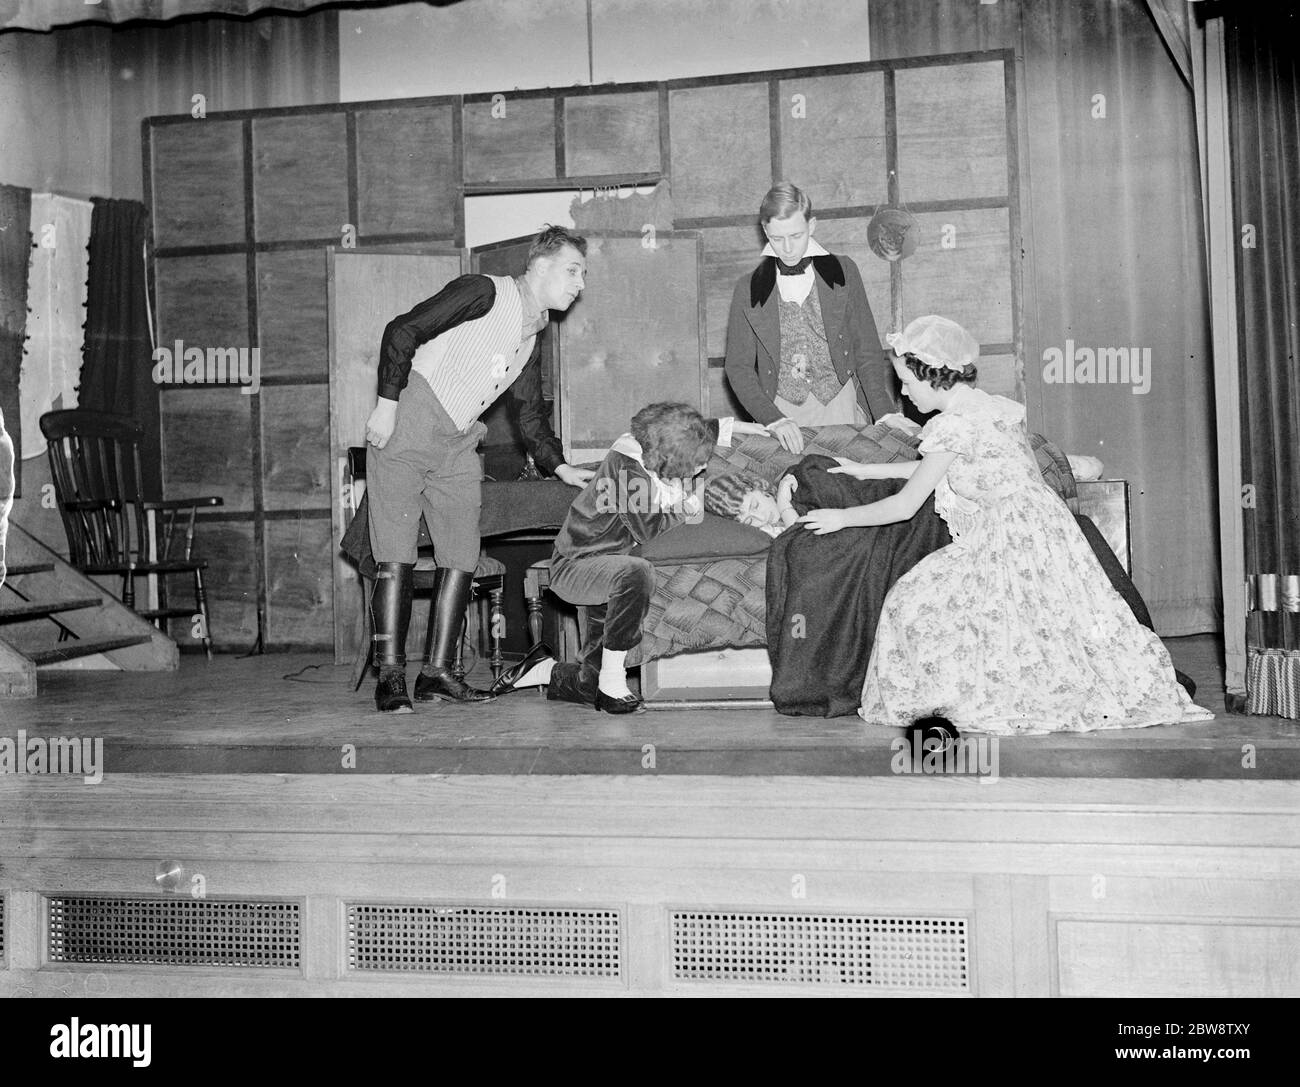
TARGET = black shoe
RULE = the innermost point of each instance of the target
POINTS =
(628, 703)
(443, 685)
(933, 728)
(506, 681)
(391, 696)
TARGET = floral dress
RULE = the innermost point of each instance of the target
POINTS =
(1014, 627)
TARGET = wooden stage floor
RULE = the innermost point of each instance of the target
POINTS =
(295, 714)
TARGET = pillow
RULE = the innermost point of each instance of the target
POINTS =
(713, 537)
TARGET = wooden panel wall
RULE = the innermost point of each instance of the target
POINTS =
(245, 204)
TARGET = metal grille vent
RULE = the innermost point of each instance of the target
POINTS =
(174, 932)
(514, 940)
(880, 952)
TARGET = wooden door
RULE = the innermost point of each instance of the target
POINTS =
(635, 336)
(367, 289)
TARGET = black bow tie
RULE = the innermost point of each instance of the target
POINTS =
(793, 269)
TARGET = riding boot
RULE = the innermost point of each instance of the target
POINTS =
(390, 615)
(446, 618)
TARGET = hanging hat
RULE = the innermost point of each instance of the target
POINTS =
(893, 233)
(936, 341)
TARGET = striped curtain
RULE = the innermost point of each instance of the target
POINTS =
(56, 313)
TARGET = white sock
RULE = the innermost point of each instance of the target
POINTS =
(538, 675)
(613, 673)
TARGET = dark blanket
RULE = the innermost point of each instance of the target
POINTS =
(825, 593)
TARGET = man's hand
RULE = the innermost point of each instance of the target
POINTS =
(787, 432)
(574, 477)
(379, 427)
(824, 522)
(854, 468)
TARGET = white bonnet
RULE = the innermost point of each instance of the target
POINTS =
(936, 341)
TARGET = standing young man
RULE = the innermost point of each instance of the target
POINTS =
(802, 345)
(440, 367)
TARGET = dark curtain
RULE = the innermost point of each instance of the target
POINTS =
(15, 254)
(1265, 142)
(117, 364)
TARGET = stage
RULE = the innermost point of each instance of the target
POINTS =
(260, 830)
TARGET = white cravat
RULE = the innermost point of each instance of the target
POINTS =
(795, 288)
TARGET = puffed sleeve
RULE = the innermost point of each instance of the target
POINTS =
(948, 433)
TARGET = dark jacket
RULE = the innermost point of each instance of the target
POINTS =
(615, 512)
(754, 338)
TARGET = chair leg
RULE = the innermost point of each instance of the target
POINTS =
(364, 646)
(496, 627)
(458, 664)
(201, 598)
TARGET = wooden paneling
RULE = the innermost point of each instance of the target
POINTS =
(729, 253)
(848, 238)
(206, 446)
(299, 586)
(721, 149)
(1000, 375)
(295, 447)
(611, 133)
(300, 176)
(952, 131)
(512, 139)
(969, 283)
(406, 171)
(198, 183)
(231, 583)
(1150, 959)
(292, 312)
(1185, 908)
(203, 300)
(833, 138)
(632, 338)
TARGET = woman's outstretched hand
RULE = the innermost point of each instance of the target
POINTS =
(853, 468)
(824, 522)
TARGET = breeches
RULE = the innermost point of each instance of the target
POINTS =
(428, 467)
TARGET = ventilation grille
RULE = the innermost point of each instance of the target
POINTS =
(174, 932)
(585, 943)
(879, 952)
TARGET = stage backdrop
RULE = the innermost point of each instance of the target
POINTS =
(245, 204)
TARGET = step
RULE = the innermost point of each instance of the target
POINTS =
(24, 612)
(14, 569)
(66, 651)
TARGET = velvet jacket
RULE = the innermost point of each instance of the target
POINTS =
(754, 338)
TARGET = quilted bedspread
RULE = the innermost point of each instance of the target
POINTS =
(721, 603)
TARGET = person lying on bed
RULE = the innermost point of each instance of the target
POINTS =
(642, 489)
(752, 500)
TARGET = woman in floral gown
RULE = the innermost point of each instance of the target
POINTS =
(1014, 627)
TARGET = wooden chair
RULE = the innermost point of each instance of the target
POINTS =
(111, 529)
(487, 587)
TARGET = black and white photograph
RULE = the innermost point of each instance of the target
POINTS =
(650, 498)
